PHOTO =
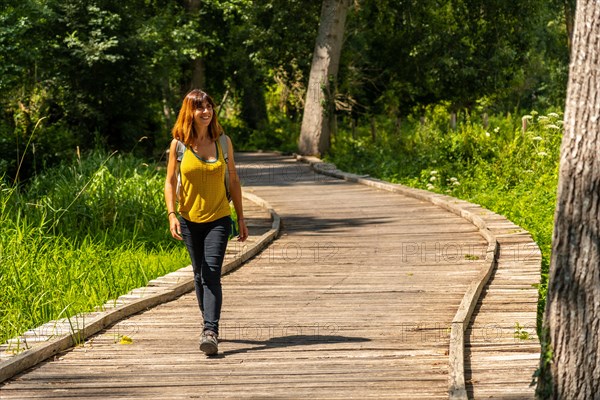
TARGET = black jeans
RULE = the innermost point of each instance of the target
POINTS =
(206, 243)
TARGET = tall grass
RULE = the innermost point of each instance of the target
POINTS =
(502, 168)
(79, 235)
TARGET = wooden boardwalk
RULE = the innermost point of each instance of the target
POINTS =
(355, 299)
(502, 349)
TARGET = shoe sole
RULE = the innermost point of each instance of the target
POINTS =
(209, 348)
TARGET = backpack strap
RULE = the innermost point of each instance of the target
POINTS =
(180, 150)
(225, 150)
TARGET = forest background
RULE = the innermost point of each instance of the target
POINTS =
(457, 96)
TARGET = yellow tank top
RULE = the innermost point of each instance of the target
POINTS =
(202, 196)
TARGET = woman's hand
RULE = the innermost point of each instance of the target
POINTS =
(175, 227)
(243, 230)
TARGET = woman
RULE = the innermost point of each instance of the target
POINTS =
(204, 221)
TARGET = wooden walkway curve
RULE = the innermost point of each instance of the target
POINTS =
(354, 299)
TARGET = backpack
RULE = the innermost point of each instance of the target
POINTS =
(224, 148)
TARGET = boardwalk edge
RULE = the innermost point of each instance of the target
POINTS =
(165, 289)
(471, 212)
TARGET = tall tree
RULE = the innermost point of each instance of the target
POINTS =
(571, 335)
(319, 108)
(197, 64)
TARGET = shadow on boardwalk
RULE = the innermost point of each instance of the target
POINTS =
(310, 223)
(287, 341)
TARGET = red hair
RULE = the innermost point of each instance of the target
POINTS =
(184, 126)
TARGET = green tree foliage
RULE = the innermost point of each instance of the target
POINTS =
(85, 68)
(402, 54)
(108, 73)
(265, 42)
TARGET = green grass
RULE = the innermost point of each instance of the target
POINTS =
(502, 168)
(80, 235)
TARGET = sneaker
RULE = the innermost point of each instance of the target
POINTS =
(209, 344)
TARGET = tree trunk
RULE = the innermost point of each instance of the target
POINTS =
(569, 20)
(319, 104)
(373, 130)
(167, 110)
(254, 105)
(571, 329)
(198, 74)
(198, 78)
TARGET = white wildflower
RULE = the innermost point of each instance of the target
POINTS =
(553, 115)
(433, 173)
(432, 179)
(552, 126)
(453, 179)
(487, 134)
(537, 138)
(542, 154)
(528, 117)
(497, 129)
(457, 183)
(543, 118)
(430, 186)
